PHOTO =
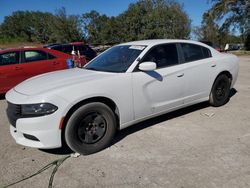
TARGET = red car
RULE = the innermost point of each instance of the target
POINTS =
(18, 64)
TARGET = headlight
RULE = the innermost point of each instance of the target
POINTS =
(40, 109)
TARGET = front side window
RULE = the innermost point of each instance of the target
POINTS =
(163, 55)
(116, 59)
(192, 52)
(9, 58)
(50, 56)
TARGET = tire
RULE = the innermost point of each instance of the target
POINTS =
(220, 91)
(90, 128)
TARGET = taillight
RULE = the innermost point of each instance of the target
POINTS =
(70, 63)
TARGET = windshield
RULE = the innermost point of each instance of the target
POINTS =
(116, 59)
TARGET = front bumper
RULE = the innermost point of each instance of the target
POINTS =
(47, 139)
(45, 129)
(40, 132)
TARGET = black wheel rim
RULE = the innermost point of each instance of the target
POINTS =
(221, 90)
(92, 128)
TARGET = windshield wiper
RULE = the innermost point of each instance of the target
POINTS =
(102, 70)
(92, 68)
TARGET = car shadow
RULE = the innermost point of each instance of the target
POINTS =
(65, 150)
(233, 91)
(153, 121)
(2, 96)
(171, 115)
(142, 125)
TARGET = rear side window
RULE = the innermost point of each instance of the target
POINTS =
(50, 56)
(30, 56)
(163, 55)
(206, 52)
(193, 52)
(9, 58)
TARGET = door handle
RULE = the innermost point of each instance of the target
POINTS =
(180, 75)
(18, 68)
(213, 65)
(55, 63)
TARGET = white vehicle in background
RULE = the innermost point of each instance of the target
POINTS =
(232, 47)
(126, 84)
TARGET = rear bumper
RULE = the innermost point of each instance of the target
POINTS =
(234, 71)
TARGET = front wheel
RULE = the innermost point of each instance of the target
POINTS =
(220, 91)
(90, 128)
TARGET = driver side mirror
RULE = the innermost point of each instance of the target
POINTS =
(147, 66)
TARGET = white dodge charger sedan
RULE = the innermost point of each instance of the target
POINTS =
(129, 83)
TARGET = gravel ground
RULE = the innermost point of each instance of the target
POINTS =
(200, 146)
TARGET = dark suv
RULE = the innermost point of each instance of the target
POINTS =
(84, 49)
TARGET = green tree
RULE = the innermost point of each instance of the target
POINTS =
(41, 27)
(150, 19)
(209, 30)
(18, 25)
(146, 19)
(234, 13)
(65, 28)
(95, 26)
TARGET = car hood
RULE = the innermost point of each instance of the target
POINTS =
(49, 81)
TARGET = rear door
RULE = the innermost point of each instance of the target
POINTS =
(11, 73)
(35, 62)
(198, 69)
(58, 62)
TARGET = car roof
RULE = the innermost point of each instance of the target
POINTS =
(49, 45)
(162, 41)
(151, 43)
(20, 49)
(54, 52)
(68, 44)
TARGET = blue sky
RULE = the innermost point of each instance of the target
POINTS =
(194, 8)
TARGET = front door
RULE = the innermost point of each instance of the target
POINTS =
(160, 90)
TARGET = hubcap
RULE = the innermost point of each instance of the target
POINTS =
(220, 90)
(92, 128)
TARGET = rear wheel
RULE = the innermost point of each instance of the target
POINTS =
(90, 128)
(220, 91)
